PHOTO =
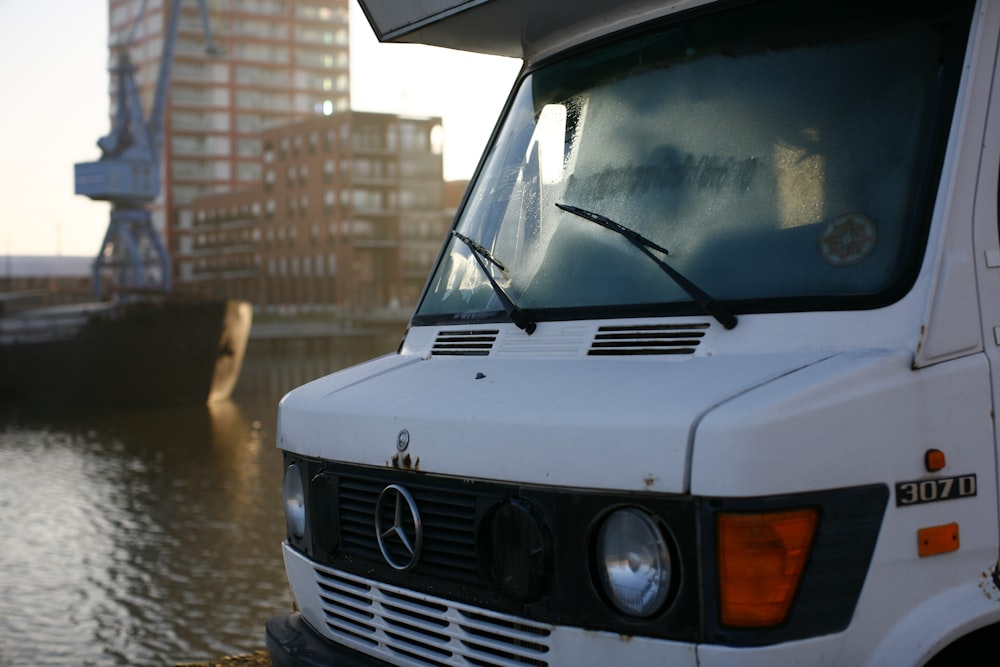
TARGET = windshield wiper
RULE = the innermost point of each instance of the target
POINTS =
(709, 305)
(483, 252)
(516, 315)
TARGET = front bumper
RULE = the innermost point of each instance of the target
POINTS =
(292, 643)
(349, 621)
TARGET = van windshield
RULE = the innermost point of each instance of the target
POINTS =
(779, 155)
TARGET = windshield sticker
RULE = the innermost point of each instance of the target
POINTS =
(848, 240)
(924, 491)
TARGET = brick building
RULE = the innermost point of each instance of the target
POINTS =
(349, 214)
(283, 60)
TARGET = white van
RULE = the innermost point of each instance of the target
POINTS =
(706, 371)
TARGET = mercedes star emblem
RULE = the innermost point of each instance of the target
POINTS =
(406, 534)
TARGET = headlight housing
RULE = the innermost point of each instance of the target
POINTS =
(633, 562)
(294, 500)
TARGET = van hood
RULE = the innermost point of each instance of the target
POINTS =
(524, 421)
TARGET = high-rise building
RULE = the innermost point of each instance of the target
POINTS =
(281, 61)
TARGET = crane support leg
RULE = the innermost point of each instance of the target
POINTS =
(132, 257)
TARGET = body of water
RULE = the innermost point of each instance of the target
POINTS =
(148, 536)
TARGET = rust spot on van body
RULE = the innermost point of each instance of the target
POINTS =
(989, 582)
(405, 462)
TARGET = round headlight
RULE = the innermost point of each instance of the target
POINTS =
(633, 562)
(295, 501)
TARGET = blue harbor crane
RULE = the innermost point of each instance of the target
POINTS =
(142, 342)
(133, 258)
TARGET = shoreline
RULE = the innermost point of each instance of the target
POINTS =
(258, 658)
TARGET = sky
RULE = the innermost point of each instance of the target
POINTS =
(54, 107)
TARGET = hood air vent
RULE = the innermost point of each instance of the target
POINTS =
(649, 339)
(464, 343)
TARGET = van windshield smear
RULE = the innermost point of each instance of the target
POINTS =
(782, 159)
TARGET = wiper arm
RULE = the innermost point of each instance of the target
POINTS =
(709, 305)
(516, 315)
(483, 252)
(637, 239)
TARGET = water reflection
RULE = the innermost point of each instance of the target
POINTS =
(275, 372)
(149, 536)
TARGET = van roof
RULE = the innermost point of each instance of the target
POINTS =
(512, 28)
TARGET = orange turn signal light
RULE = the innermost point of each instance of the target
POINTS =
(934, 460)
(761, 559)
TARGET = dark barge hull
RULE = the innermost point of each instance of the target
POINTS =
(162, 350)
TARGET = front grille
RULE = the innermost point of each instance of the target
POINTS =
(398, 625)
(448, 517)
(500, 550)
